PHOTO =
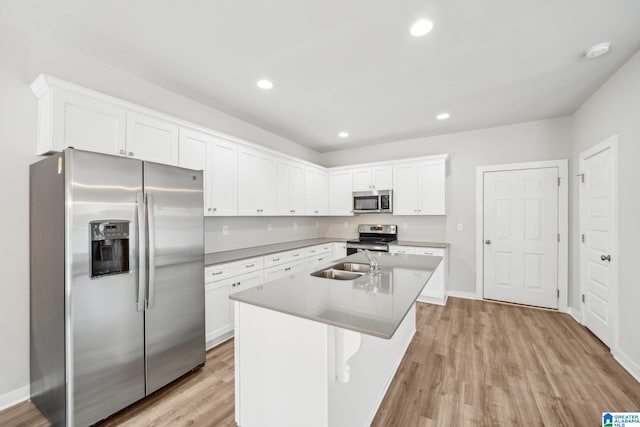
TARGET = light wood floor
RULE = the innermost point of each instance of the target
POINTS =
(471, 363)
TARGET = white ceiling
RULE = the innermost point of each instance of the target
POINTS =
(351, 64)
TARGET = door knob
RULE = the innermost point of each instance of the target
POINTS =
(488, 242)
(605, 258)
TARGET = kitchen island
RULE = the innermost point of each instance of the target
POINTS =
(315, 351)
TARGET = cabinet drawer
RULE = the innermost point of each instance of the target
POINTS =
(282, 257)
(313, 251)
(430, 251)
(218, 272)
(284, 270)
(248, 265)
(402, 250)
(315, 263)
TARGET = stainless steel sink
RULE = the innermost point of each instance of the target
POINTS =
(336, 274)
(343, 271)
(353, 266)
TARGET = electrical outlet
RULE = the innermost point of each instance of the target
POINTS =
(269, 227)
(346, 224)
(404, 226)
(459, 227)
(295, 225)
(225, 230)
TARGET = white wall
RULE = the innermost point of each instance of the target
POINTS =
(615, 109)
(251, 231)
(21, 60)
(532, 141)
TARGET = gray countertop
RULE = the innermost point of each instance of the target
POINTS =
(421, 244)
(371, 304)
(238, 254)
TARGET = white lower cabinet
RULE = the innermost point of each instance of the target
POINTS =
(283, 270)
(339, 250)
(218, 320)
(436, 290)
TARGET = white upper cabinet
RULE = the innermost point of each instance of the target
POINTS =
(289, 188)
(222, 184)
(340, 188)
(316, 191)
(68, 119)
(256, 182)
(419, 187)
(375, 177)
(193, 150)
(152, 139)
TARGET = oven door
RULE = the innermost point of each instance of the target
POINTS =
(366, 203)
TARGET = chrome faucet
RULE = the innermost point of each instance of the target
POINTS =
(373, 261)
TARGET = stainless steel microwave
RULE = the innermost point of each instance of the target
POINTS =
(373, 201)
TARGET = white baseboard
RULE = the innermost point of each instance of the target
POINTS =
(461, 294)
(628, 364)
(14, 397)
(575, 314)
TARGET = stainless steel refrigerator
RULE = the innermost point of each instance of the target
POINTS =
(117, 292)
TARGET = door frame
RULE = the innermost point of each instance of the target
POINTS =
(563, 223)
(610, 143)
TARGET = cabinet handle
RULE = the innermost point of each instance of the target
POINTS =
(130, 153)
(215, 209)
(209, 209)
(216, 273)
(294, 255)
(122, 151)
(275, 259)
(238, 284)
(233, 285)
(287, 269)
(320, 259)
(249, 265)
(312, 252)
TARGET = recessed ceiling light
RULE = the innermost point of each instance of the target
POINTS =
(421, 28)
(343, 134)
(597, 50)
(265, 84)
(443, 116)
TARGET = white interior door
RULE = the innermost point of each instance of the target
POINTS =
(521, 236)
(596, 254)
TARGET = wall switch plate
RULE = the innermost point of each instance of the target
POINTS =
(225, 230)
(295, 225)
(346, 224)
(459, 227)
(269, 227)
(404, 225)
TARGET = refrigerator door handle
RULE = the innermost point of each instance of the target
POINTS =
(142, 251)
(151, 297)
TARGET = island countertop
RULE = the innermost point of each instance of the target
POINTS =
(371, 304)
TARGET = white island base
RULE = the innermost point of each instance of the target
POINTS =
(296, 372)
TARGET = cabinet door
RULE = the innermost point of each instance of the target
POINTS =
(362, 180)
(246, 281)
(431, 183)
(283, 270)
(152, 139)
(339, 250)
(84, 123)
(321, 192)
(405, 192)
(267, 184)
(222, 178)
(192, 154)
(218, 320)
(340, 202)
(283, 190)
(296, 188)
(309, 192)
(382, 177)
(249, 196)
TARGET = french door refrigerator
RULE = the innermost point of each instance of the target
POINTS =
(117, 272)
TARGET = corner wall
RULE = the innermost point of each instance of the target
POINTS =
(615, 109)
(525, 142)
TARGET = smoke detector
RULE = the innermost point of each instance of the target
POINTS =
(597, 50)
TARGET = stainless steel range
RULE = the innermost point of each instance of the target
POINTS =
(374, 237)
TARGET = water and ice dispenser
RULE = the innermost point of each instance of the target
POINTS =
(109, 247)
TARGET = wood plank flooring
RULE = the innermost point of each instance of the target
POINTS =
(471, 363)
